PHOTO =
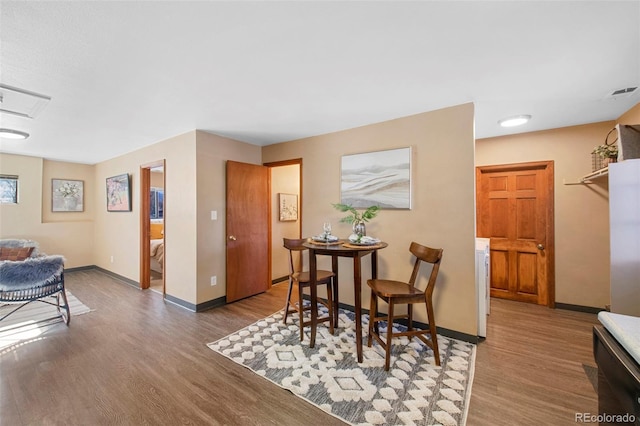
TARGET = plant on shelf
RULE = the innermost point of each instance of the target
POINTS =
(606, 151)
(356, 218)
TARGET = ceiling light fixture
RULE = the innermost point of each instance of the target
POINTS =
(517, 120)
(13, 134)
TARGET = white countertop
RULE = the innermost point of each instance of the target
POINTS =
(625, 329)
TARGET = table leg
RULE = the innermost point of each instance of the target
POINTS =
(374, 265)
(357, 287)
(336, 302)
(313, 277)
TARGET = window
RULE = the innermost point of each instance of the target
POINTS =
(8, 189)
(157, 203)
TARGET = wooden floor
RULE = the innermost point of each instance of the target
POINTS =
(137, 360)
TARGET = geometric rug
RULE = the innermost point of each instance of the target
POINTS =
(30, 321)
(414, 391)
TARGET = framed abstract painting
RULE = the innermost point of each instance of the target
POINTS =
(381, 178)
(119, 193)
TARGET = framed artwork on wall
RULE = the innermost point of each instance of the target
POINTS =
(288, 207)
(381, 178)
(119, 193)
(67, 195)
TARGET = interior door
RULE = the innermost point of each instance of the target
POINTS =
(248, 235)
(515, 210)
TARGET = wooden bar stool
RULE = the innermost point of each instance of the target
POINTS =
(302, 280)
(398, 292)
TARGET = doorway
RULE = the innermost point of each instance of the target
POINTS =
(286, 217)
(152, 226)
(515, 204)
(249, 241)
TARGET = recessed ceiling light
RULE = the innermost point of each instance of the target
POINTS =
(517, 120)
(13, 134)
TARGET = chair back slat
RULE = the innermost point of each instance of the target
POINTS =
(294, 245)
(427, 255)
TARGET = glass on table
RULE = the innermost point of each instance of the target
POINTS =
(326, 228)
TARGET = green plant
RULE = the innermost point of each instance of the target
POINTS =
(354, 215)
(606, 151)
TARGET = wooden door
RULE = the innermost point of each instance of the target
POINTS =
(515, 210)
(145, 230)
(248, 232)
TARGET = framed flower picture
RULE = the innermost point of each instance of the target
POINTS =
(67, 195)
(288, 207)
(119, 193)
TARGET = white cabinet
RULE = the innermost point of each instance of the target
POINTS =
(624, 219)
(483, 276)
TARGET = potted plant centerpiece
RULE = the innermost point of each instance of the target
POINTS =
(357, 219)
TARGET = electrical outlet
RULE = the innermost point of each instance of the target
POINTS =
(111, 260)
(214, 215)
(214, 280)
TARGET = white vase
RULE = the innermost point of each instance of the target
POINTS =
(70, 203)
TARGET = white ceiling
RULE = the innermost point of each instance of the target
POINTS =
(123, 75)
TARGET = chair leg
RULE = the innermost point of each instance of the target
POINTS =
(410, 317)
(433, 331)
(330, 303)
(301, 312)
(387, 359)
(288, 302)
(66, 315)
(373, 313)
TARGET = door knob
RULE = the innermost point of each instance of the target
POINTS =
(540, 247)
(232, 237)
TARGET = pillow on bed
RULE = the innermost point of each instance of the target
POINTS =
(156, 231)
(18, 253)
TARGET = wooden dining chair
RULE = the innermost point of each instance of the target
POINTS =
(301, 279)
(398, 292)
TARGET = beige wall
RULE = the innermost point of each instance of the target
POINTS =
(631, 117)
(117, 234)
(284, 179)
(442, 213)
(212, 154)
(157, 179)
(581, 211)
(65, 233)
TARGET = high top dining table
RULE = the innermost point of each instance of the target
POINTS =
(338, 249)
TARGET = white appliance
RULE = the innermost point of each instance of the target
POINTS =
(624, 221)
(483, 283)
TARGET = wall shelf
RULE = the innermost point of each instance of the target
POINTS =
(588, 179)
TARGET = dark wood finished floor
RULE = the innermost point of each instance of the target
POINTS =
(137, 360)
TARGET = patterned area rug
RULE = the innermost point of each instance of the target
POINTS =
(414, 391)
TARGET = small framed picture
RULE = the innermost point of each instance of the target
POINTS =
(119, 193)
(67, 195)
(288, 207)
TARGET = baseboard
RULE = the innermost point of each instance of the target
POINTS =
(442, 331)
(80, 268)
(210, 304)
(118, 277)
(279, 280)
(176, 301)
(579, 308)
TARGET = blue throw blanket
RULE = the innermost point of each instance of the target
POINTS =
(30, 273)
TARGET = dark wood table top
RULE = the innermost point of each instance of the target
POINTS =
(341, 247)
